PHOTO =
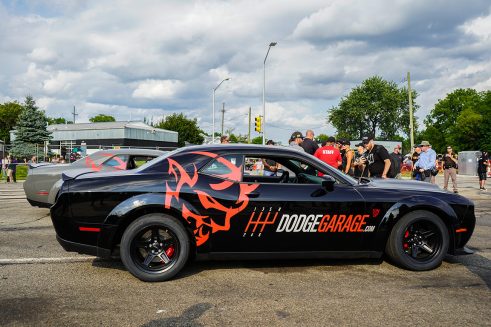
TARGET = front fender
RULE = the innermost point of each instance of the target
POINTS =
(406, 205)
(127, 211)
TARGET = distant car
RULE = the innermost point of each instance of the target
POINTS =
(202, 201)
(44, 180)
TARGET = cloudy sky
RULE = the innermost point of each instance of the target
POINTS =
(135, 59)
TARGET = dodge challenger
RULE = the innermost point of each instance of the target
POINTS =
(204, 202)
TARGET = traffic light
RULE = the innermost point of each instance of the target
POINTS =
(258, 126)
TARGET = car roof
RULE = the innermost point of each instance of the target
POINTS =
(241, 147)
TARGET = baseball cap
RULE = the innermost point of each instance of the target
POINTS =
(296, 135)
(366, 139)
(331, 139)
(424, 143)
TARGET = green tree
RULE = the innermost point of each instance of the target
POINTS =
(257, 140)
(321, 138)
(461, 120)
(101, 118)
(30, 130)
(376, 107)
(59, 120)
(9, 115)
(188, 129)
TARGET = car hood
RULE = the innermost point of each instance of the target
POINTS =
(401, 184)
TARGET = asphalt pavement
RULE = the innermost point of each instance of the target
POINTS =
(42, 285)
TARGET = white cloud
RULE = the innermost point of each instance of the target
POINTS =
(42, 55)
(157, 89)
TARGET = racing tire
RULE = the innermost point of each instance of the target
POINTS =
(418, 241)
(155, 247)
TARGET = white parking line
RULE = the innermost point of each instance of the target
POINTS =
(45, 260)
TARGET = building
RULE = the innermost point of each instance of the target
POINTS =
(110, 134)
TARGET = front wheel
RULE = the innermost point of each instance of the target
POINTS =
(418, 241)
(155, 247)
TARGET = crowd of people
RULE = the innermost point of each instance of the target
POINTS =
(374, 160)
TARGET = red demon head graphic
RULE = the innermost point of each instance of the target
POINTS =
(206, 224)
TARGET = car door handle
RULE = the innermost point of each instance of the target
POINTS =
(254, 195)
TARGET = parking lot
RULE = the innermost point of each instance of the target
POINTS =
(41, 284)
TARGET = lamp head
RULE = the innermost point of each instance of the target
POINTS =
(272, 44)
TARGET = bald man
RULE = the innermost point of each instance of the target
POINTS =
(308, 144)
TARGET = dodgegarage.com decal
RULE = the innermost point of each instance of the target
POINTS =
(307, 223)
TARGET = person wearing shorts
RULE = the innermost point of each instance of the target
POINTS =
(482, 167)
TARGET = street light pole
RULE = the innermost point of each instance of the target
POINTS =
(213, 113)
(272, 44)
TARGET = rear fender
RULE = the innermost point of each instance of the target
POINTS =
(129, 210)
(404, 206)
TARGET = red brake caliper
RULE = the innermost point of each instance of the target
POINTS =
(405, 245)
(170, 251)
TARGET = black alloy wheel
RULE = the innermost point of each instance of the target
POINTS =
(155, 247)
(418, 241)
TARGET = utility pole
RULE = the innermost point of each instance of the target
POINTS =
(411, 124)
(74, 113)
(249, 137)
(223, 114)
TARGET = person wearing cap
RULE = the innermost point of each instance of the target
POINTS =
(450, 169)
(296, 140)
(358, 166)
(377, 158)
(426, 161)
(329, 154)
(308, 144)
(398, 159)
(347, 158)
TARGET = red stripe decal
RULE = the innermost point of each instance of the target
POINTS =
(89, 229)
(42, 193)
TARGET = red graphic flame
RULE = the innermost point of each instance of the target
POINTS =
(375, 212)
(97, 167)
(205, 225)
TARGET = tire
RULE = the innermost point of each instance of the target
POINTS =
(418, 241)
(149, 242)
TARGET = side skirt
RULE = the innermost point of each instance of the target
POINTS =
(289, 255)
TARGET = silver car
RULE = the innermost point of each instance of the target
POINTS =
(44, 180)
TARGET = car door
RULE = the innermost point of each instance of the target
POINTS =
(301, 215)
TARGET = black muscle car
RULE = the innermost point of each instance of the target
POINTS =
(205, 202)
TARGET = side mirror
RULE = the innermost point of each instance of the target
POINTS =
(328, 183)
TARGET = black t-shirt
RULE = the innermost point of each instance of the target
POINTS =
(415, 157)
(375, 159)
(398, 160)
(447, 162)
(481, 167)
(309, 146)
(271, 163)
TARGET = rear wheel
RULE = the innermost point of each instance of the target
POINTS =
(418, 241)
(155, 247)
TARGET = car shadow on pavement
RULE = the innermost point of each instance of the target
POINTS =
(265, 266)
(475, 263)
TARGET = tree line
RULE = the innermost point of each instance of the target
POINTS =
(379, 107)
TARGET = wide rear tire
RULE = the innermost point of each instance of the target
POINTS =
(419, 241)
(155, 247)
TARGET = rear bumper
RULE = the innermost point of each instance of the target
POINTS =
(83, 248)
(39, 204)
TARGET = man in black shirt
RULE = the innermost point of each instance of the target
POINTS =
(397, 159)
(482, 167)
(308, 144)
(377, 158)
(450, 169)
(414, 158)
